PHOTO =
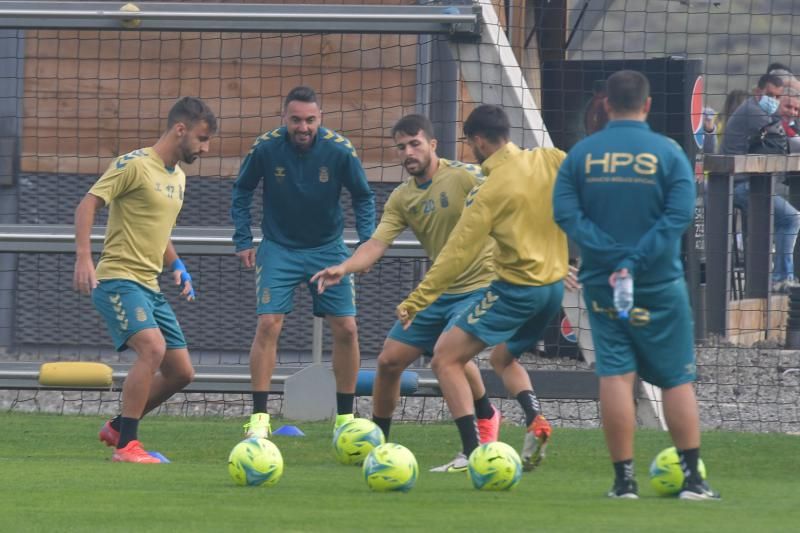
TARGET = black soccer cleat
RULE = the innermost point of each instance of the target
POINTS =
(626, 489)
(698, 491)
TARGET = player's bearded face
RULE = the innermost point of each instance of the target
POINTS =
(476, 150)
(194, 142)
(302, 121)
(414, 152)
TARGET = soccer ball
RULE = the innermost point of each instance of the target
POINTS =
(390, 467)
(494, 466)
(255, 462)
(353, 440)
(666, 475)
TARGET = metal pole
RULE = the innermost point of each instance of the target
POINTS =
(12, 53)
(316, 342)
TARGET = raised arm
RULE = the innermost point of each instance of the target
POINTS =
(464, 244)
(362, 259)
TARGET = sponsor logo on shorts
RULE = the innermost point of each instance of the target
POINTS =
(141, 316)
(638, 316)
(265, 296)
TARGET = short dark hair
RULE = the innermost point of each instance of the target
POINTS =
(627, 90)
(301, 93)
(489, 121)
(190, 111)
(413, 124)
(778, 66)
(772, 79)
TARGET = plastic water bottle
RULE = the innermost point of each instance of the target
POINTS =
(623, 295)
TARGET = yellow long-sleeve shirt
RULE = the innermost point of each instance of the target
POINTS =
(515, 206)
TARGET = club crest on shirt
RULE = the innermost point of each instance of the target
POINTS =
(323, 174)
(280, 174)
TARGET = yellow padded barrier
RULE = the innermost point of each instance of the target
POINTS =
(75, 374)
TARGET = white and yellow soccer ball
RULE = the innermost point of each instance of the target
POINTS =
(390, 467)
(666, 475)
(130, 22)
(353, 440)
(494, 466)
(255, 462)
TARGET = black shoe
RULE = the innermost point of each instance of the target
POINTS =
(698, 491)
(624, 488)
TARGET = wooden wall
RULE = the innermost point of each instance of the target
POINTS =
(90, 96)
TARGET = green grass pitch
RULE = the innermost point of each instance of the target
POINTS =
(56, 476)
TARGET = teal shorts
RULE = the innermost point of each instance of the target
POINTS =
(658, 340)
(437, 318)
(279, 270)
(514, 314)
(129, 307)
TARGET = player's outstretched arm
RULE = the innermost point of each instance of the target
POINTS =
(364, 257)
(179, 272)
(84, 278)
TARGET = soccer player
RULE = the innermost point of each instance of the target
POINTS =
(144, 194)
(625, 195)
(304, 167)
(514, 206)
(430, 203)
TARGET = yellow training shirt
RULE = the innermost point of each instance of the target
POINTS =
(432, 212)
(515, 206)
(143, 199)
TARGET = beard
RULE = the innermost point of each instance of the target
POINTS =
(421, 167)
(302, 141)
(479, 157)
(187, 156)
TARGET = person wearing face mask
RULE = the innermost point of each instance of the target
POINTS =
(758, 112)
(752, 115)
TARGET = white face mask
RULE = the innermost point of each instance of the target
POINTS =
(769, 104)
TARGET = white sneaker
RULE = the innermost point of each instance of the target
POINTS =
(458, 464)
(258, 427)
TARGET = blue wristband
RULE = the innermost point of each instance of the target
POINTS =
(178, 266)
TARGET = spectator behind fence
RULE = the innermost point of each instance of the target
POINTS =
(714, 132)
(789, 111)
(747, 121)
(754, 114)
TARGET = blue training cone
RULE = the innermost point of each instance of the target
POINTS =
(158, 456)
(289, 431)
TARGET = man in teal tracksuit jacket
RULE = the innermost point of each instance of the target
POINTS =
(625, 195)
(304, 168)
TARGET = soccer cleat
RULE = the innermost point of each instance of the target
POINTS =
(535, 444)
(489, 428)
(109, 435)
(625, 489)
(133, 453)
(458, 464)
(698, 491)
(342, 420)
(258, 427)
